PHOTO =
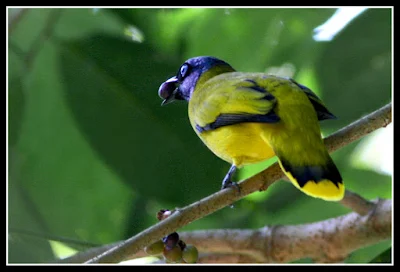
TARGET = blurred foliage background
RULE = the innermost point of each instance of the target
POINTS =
(92, 156)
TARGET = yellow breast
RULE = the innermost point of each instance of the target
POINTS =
(239, 144)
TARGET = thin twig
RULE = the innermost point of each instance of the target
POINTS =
(356, 203)
(44, 34)
(88, 254)
(48, 236)
(218, 200)
(14, 17)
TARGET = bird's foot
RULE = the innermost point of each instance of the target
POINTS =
(227, 181)
(229, 184)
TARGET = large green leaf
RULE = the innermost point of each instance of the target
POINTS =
(57, 168)
(55, 180)
(111, 87)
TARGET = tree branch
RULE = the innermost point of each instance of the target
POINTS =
(263, 180)
(356, 203)
(330, 240)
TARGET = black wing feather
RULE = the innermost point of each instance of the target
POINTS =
(322, 112)
(232, 119)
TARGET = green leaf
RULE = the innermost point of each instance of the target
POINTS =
(57, 169)
(384, 257)
(371, 253)
(111, 86)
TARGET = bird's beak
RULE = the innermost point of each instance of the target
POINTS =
(168, 90)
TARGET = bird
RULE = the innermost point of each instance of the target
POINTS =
(249, 117)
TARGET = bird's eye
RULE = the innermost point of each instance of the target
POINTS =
(184, 70)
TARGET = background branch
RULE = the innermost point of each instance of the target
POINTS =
(44, 35)
(330, 240)
(263, 180)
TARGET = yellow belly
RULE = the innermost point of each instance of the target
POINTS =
(239, 144)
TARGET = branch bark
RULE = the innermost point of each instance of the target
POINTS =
(330, 240)
(261, 181)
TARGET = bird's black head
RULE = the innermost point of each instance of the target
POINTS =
(181, 86)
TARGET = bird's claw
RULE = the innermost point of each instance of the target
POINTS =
(229, 184)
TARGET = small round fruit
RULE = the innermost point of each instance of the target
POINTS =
(155, 248)
(173, 254)
(190, 254)
(171, 240)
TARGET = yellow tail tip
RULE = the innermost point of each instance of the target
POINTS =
(325, 189)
